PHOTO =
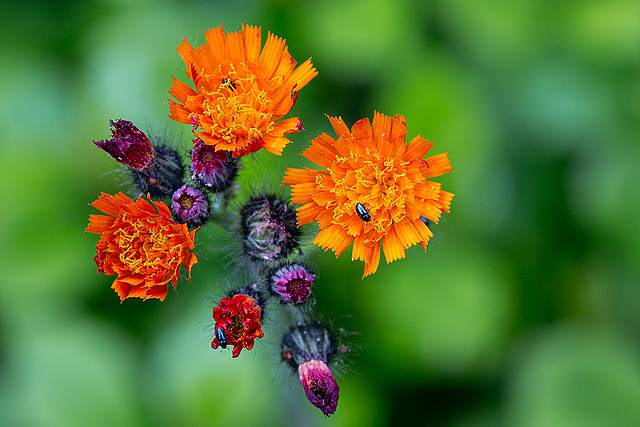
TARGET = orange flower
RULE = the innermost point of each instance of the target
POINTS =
(240, 90)
(373, 191)
(143, 247)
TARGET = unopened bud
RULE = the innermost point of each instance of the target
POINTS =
(216, 170)
(129, 145)
(163, 176)
(309, 347)
(269, 229)
(320, 386)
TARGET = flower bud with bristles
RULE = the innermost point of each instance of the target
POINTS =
(216, 170)
(269, 229)
(164, 174)
(309, 348)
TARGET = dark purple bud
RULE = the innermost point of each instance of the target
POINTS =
(129, 145)
(214, 169)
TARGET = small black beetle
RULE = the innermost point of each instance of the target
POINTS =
(229, 83)
(362, 212)
(222, 340)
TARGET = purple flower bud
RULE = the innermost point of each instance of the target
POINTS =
(320, 386)
(269, 229)
(214, 169)
(129, 145)
(189, 205)
(291, 283)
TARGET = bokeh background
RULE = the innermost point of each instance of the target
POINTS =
(524, 312)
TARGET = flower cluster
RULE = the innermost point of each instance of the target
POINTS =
(373, 191)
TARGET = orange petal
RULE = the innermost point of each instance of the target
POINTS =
(285, 66)
(417, 148)
(178, 112)
(407, 233)
(436, 165)
(358, 250)
(98, 224)
(252, 42)
(398, 132)
(392, 246)
(333, 237)
(294, 176)
(323, 198)
(185, 50)
(381, 127)
(445, 200)
(322, 151)
(354, 225)
(301, 75)
(271, 54)
(339, 126)
(275, 144)
(121, 288)
(216, 42)
(362, 129)
(308, 213)
(424, 232)
(159, 292)
(372, 261)
(236, 47)
(431, 209)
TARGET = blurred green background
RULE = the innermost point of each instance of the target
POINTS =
(524, 312)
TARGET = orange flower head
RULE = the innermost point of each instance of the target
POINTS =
(373, 191)
(143, 247)
(240, 90)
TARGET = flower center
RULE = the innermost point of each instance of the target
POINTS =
(236, 120)
(237, 106)
(208, 155)
(137, 243)
(236, 328)
(376, 181)
(186, 201)
(297, 288)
